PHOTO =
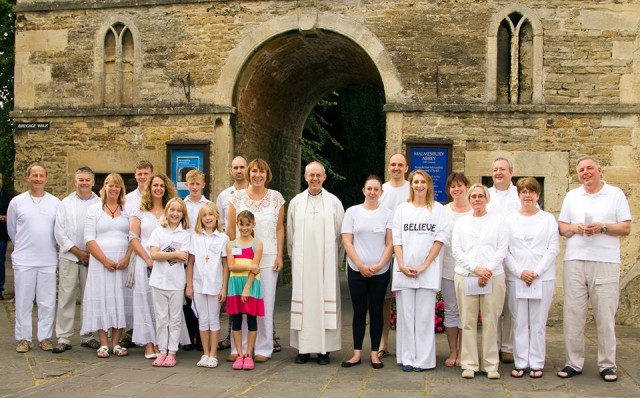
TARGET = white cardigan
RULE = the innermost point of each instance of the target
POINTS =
(479, 241)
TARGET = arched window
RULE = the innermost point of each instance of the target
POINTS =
(118, 66)
(514, 59)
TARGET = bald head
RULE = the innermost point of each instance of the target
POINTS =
(238, 167)
(397, 169)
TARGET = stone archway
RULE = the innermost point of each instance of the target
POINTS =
(281, 69)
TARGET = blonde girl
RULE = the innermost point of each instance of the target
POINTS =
(207, 276)
(169, 248)
(244, 291)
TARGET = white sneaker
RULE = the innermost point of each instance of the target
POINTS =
(203, 361)
(212, 362)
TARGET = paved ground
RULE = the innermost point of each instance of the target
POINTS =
(79, 373)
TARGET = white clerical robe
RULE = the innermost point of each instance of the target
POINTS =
(315, 247)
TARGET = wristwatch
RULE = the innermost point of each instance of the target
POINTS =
(604, 228)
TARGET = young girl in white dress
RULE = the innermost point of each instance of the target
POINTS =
(169, 247)
(207, 277)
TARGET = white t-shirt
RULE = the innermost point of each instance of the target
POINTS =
(504, 202)
(164, 275)
(416, 229)
(193, 208)
(479, 241)
(369, 229)
(448, 262)
(208, 251)
(30, 224)
(394, 196)
(222, 203)
(534, 244)
(132, 201)
(608, 206)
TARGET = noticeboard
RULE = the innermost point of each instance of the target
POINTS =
(435, 159)
(183, 157)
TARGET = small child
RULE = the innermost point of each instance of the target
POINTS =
(244, 294)
(169, 248)
(207, 276)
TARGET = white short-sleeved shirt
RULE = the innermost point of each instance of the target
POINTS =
(504, 202)
(608, 206)
(369, 229)
(208, 251)
(448, 262)
(392, 196)
(30, 224)
(222, 203)
(416, 229)
(193, 208)
(165, 276)
(132, 201)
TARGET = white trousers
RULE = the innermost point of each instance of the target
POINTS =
(70, 275)
(490, 305)
(530, 326)
(599, 283)
(415, 334)
(268, 282)
(208, 308)
(169, 316)
(37, 283)
(451, 313)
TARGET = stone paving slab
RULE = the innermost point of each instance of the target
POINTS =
(79, 373)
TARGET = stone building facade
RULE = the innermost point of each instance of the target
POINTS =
(539, 81)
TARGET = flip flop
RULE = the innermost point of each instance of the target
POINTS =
(224, 344)
(569, 372)
(535, 373)
(450, 362)
(383, 353)
(276, 345)
(517, 373)
(604, 373)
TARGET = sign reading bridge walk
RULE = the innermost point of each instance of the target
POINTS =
(435, 159)
(32, 126)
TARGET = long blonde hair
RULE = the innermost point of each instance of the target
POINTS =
(185, 216)
(116, 179)
(209, 206)
(427, 178)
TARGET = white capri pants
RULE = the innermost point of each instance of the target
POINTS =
(208, 309)
(38, 283)
(169, 316)
(268, 281)
(451, 313)
(415, 334)
(530, 326)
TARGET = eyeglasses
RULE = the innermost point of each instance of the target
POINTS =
(477, 196)
(527, 193)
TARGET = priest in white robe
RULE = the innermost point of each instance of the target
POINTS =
(314, 243)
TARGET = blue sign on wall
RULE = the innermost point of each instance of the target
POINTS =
(434, 159)
(183, 161)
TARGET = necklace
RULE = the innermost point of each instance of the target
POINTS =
(206, 249)
(113, 212)
(36, 202)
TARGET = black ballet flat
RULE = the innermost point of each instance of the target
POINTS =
(347, 364)
(377, 365)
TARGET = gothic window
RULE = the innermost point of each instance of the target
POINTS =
(118, 66)
(514, 67)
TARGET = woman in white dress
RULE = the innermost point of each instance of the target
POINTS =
(106, 231)
(420, 229)
(479, 244)
(367, 239)
(157, 192)
(534, 243)
(457, 184)
(267, 206)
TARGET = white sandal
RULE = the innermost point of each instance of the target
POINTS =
(120, 351)
(203, 361)
(212, 362)
(103, 352)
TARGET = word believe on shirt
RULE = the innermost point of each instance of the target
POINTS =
(420, 227)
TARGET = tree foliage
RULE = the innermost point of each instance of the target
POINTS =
(7, 61)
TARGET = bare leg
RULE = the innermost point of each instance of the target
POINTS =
(453, 339)
(205, 340)
(116, 334)
(102, 337)
(357, 356)
(213, 343)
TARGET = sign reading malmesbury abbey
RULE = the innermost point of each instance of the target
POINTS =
(539, 82)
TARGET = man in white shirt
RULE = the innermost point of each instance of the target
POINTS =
(593, 218)
(237, 170)
(504, 201)
(74, 256)
(142, 173)
(394, 192)
(314, 222)
(30, 222)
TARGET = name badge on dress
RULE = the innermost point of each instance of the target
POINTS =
(471, 287)
(532, 292)
(236, 251)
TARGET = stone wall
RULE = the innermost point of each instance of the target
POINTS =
(258, 67)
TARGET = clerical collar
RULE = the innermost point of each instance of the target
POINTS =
(318, 194)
